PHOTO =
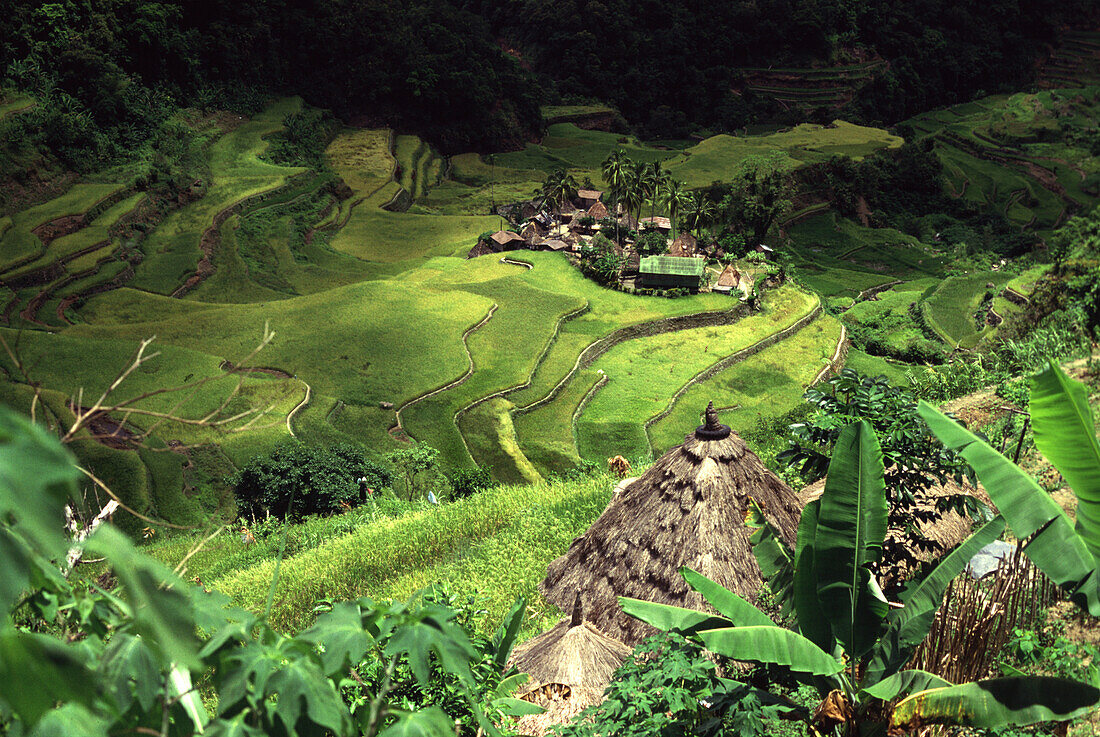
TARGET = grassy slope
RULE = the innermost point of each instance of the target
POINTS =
(951, 307)
(644, 373)
(172, 250)
(19, 245)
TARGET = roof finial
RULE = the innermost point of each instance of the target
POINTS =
(578, 615)
(712, 429)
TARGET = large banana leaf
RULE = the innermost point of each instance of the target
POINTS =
(997, 702)
(665, 617)
(771, 645)
(851, 526)
(775, 559)
(729, 605)
(906, 681)
(1066, 434)
(812, 622)
(907, 627)
(1056, 549)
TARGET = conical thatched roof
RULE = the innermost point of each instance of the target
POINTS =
(573, 652)
(688, 509)
(570, 665)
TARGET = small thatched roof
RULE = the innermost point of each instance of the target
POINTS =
(686, 510)
(589, 194)
(573, 652)
(504, 237)
(553, 244)
(598, 211)
(575, 657)
(684, 245)
(661, 223)
(481, 249)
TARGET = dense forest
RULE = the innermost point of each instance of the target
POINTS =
(471, 74)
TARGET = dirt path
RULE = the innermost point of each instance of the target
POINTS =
(301, 405)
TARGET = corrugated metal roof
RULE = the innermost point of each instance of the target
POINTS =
(679, 265)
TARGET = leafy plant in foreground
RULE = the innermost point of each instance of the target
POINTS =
(125, 656)
(1065, 434)
(851, 644)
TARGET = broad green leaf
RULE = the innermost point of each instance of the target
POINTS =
(508, 686)
(516, 707)
(668, 618)
(771, 644)
(907, 627)
(70, 720)
(1057, 549)
(812, 622)
(429, 722)
(302, 687)
(907, 681)
(851, 527)
(340, 632)
(432, 631)
(775, 559)
(729, 605)
(130, 672)
(998, 702)
(161, 608)
(38, 672)
(505, 637)
(37, 479)
(1066, 434)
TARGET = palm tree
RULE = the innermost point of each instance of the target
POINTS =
(616, 169)
(677, 197)
(634, 189)
(701, 212)
(660, 182)
(559, 187)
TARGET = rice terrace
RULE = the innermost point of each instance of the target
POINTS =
(546, 378)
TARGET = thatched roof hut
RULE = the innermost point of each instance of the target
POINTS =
(481, 249)
(686, 510)
(507, 239)
(598, 211)
(684, 245)
(570, 665)
(554, 244)
(660, 223)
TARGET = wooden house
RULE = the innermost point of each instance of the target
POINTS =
(666, 272)
(599, 211)
(733, 280)
(662, 224)
(506, 240)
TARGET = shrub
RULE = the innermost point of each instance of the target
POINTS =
(297, 480)
(468, 481)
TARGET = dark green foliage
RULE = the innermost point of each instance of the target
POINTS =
(914, 459)
(468, 481)
(296, 480)
(669, 688)
(303, 139)
(652, 243)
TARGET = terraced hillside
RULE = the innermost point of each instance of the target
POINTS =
(1018, 153)
(384, 334)
(809, 90)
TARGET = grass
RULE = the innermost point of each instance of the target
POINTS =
(564, 113)
(404, 238)
(951, 307)
(18, 244)
(716, 158)
(644, 373)
(546, 433)
(237, 173)
(362, 158)
(386, 557)
(759, 390)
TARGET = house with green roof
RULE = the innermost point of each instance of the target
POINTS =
(666, 272)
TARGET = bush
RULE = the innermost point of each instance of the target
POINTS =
(468, 481)
(297, 480)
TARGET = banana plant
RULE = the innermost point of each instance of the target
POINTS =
(851, 644)
(1066, 436)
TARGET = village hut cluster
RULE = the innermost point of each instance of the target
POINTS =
(569, 226)
(689, 509)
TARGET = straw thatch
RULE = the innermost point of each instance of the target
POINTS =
(684, 245)
(598, 211)
(506, 238)
(660, 223)
(570, 665)
(948, 531)
(554, 244)
(481, 249)
(687, 510)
